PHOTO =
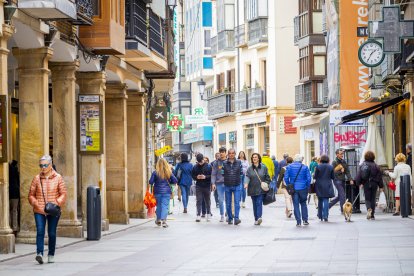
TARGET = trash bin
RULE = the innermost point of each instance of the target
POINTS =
(93, 213)
(405, 196)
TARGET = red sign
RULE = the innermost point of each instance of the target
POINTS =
(350, 138)
(289, 128)
(176, 122)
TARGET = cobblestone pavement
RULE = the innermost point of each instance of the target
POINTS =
(277, 247)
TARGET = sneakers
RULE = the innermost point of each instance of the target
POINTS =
(222, 219)
(372, 217)
(39, 258)
(369, 214)
(208, 217)
(243, 204)
(256, 223)
(298, 224)
(238, 221)
(198, 219)
(289, 214)
(325, 220)
(158, 222)
(50, 259)
(203, 215)
(229, 221)
(185, 211)
(164, 224)
(259, 221)
(396, 214)
(305, 222)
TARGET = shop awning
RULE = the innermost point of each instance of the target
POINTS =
(371, 110)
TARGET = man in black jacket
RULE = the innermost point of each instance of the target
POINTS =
(233, 172)
(409, 149)
(201, 173)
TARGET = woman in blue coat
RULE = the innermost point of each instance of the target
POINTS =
(183, 174)
(324, 176)
(162, 178)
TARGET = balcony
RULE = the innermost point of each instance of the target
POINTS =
(156, 42)
(403, 62)
(250, 99)
(225, 41)
(214, 46)
(306, 102)
(220, 105)
(49, 9)
(84, 12)
(240, 36)
(136, 24)
(257, 32)
(296, 31)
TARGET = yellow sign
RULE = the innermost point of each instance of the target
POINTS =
(163, 150)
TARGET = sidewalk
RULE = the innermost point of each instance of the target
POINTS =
(29, 249)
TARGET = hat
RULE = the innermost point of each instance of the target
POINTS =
(199, 157)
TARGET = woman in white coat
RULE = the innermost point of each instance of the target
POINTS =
(400, 169)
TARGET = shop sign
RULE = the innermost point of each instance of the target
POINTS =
(159, 114)
(175, 123)
(199, 116)
(233, 136)
(335, 117)
(286, 125)
(309, 135)
(90, 120)
(163, 150)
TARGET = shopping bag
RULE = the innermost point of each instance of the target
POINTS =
(382, 202)
(151, 212)
(269, 197)
(149, 199)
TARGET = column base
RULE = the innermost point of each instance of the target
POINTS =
(7, 243)
(70, 229)
(118, 217)
(141, 215)
(105, 225)
(28, 237)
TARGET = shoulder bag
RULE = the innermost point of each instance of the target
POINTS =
(263, 185)
(290, 187)
(50, 208)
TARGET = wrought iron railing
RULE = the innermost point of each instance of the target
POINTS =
(136, 21)
(214, 45)
(155, 34)
(306, 102)
(225, 41)
(249, 99)
(240, 36)
(220, 105)
(84, 11)
(257, 31)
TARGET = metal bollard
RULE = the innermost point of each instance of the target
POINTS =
(93, 213)
(405, 196)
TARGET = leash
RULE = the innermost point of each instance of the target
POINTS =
(356, 198)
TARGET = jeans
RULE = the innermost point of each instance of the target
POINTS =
(340, 186)
(203, 196)
(257, 206)
(163, 203)
(52, 223)
(300, 197)
(185, 192)
(370, 197)
(216, 198)
(243, 190)
(323, 207)
(229, 191)
(220, 193)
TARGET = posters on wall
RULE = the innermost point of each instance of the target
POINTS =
(90, 124)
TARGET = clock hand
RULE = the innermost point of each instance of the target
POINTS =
(371, 54)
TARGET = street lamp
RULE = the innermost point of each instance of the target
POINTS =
(172, 4)
(201, 87)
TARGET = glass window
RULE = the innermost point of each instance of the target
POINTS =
(249, 138)
(319, 91)
(207, 38)
(319, 65)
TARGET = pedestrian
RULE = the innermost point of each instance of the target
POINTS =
(409, 149)
(341, 172)
(14, 195)
(313, 165)
(216, 199)
(277, 168)
(324, 176)
(162, 179)
(269, 164)
(255, 175)
(282, 163)
(201, 173)
(312, 190)
(370, 180)
(245, 166)
(183, 174)
(282, 186)
(46, 187)
(203, 204)
(298, 175)
(399, 170)
(217, 180)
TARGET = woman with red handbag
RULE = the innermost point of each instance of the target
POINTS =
(400, 169)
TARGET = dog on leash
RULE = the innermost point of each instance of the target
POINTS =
(347, 207)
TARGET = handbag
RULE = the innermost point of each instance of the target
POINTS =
(50, 208)
(290, 187)
(263, 185)
(392, 185)
(270, 196)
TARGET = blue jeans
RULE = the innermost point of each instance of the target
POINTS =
(52, 223)
(257, 206)
(163, 203)
(323, 207)
(243, 190)
(185, 192)
(299, 198)
(220, 193)
(229, 191)
(340, 186)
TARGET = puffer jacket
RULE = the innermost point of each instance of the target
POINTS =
(162, 186)
(304, 178)
(186, 168)
(253, 182)
(268, 162)
(54, 190)
(233, 172)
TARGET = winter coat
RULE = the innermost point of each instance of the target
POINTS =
(339, 175)
(312, 167)
(186, 168)
(399, 170)
(232, 172)
(324, 176)
(277, 168)
(375, 177)
(54, 190)
(204, 169)
(253, 182)
(162, 186)
(268, 162)
(280, 181)
(304, 178)
(217, 173)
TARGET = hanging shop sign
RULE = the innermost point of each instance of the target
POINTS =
(159, 114)
(3, 128)
(175, 122)
(163, 150)
(90, 120)
(198, 116)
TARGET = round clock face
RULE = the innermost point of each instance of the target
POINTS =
(371, 54)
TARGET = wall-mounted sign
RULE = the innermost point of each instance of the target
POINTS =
(232, 136)
(286, 125)
(3, 128)
(335, 117)
(309, 135)
(175, 122)
(162, 150)
(90, 124)
(159, 114)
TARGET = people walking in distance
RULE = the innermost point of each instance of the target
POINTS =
(269, 164)
(183, 174)
(201, 173)
(203, 204)
(313, 165)
(324, 176)
(341, 172)
(46, 187)
(162, 179)
(277, 168)
(283, 163)
(245, 165)
(14, 195)
(408, 149)
(255, 175)
(217, 180)
(282, 186)
(402, 168)
(216, 157)
(299, 176)
(312, 191)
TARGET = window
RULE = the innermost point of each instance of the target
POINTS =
(96, 7)
(207, 38)
(248, 76)
(182, 66)
(319, 60)
(303, 6)
(317, 5)
(304, 62)
(254, 9)
(319, 92)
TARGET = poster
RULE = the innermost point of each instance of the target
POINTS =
(90, 127)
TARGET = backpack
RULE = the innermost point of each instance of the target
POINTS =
(365, 172)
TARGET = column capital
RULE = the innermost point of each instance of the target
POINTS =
(64, 70)
(8, 31)
(36, 58)
(91, 82)
(136, 98)
(116, 90)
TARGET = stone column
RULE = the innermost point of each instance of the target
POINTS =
(116, 152)
(92, 168)
(6, 234)
(33, 126)
(137, 173)
(64, 142)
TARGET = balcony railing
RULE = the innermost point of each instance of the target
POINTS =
(296, 30)
(257, 31)
(136, 21)
(214, 46)
(156, 42)
(249, 99)
(240, 36)
(305, 102)
(220, 105)
(84, 12)
(401, 65)
(225, 41)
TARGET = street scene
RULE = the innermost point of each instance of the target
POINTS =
(226, 137)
